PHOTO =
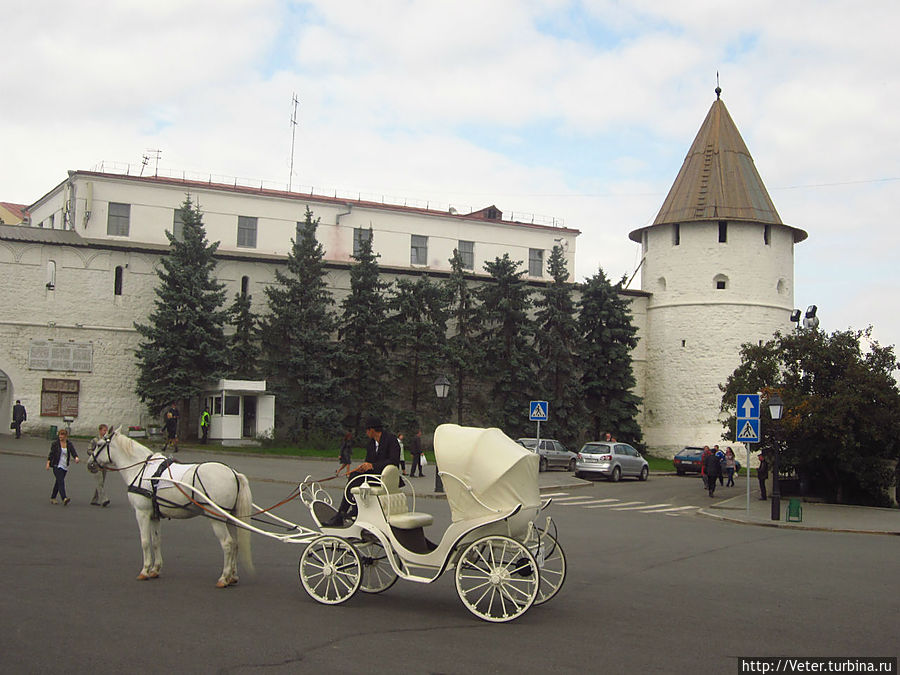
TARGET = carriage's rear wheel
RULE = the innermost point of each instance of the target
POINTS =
(551, 561)
(330, 570)
(377, 573)
(497, 578)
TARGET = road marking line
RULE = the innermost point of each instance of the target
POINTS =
(591, 501)
(641, 508)
(553, 494)
(569, 499)
(676, 508)
(606, 506)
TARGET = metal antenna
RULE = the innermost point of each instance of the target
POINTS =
(145, 160)
(156, 154)
(718, 88)
(296, 103)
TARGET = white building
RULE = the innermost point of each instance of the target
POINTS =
(717, 271)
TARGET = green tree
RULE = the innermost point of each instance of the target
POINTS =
(506, 338)
(183, 346)
(418, 328)
(363, 335)
(840, 430)
(242, 344)
(298, 350)
(557, 341)
(607, 340)
(463, 349)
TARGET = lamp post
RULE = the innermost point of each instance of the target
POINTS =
(776, 408)
(441, 390)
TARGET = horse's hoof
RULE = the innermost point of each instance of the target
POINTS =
(153, 575)
(233, 581)
(221, 584)
(143, 577)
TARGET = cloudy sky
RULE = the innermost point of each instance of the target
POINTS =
(582, 111)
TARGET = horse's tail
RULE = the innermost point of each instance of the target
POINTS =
(243, 509)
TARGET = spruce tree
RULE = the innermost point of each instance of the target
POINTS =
(418, 328)
(463, 348)
(183, 346)
(506, 337)
(608, 338)
(242, 344)
(297, 347)
(363, 334)
(556, 342)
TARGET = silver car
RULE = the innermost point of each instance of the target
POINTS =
(611, 460)
(552, 452)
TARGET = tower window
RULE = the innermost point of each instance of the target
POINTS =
(245, 286)
(51, 275)
(767, 235)
(723, 231)
(721, 282)
(676, 234)
(117, 283)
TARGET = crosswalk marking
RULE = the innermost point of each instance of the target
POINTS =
(570, 499)
(592, 501)
(606, 506)
(676, 508)
(553, 494)
(639, 508)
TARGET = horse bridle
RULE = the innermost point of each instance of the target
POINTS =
(94, 463)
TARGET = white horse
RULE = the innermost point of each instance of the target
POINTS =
(154, 492)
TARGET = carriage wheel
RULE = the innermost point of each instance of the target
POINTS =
(330, 570)
(551, 561)
(497, 578)
(377, 573)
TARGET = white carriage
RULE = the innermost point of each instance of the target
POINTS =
(504, 560)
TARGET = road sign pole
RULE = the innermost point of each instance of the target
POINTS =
(538, 434)
(747, 445)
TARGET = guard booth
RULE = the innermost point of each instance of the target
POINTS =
(240, 412)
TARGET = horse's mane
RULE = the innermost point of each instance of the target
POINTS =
(131, 446)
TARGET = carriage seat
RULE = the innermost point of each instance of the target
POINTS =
(396, 511)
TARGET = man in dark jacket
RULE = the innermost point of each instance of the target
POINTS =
(19, 416)
(383, 449)
(713, 471)
(762, 473)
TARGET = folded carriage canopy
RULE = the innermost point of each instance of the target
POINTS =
(499, 472)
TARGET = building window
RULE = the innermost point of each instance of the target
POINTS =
(178, 225)
(59, 398)
(676, 234)
(467, 254)
(645, 241)
(76, 357)
(535, 262)
(52, 220)
(302, 227)
(723, 231)
(51, 275)
(245, 286)
(721, 282)
(232, 405)
(418, 250)
(217, 405)
(767, 235)
(117, 284)
(118, 219)
(246, 235)
(360, 235)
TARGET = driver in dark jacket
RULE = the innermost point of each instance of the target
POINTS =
(383, 449)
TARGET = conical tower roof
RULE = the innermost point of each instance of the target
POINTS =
(718, 180)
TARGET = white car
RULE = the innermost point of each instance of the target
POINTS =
(611, 460)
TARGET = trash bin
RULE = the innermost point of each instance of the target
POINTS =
(794, 511)
(54, 430)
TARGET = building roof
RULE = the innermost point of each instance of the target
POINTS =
(40, 235)
(19, 211)
(718, 180)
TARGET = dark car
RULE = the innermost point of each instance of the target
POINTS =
(552, 453)
(687, 460)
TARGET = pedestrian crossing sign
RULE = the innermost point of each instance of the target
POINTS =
(748, 430)
(539, 411)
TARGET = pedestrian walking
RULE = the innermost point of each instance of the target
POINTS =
(402, 454)
(346, 453)
(204, 424)
(62, 451)
(721, 456)
(762, 474)
(99, 498)
(19, 415)
(730, 465)
(171, 431)
(415, 449)
(713, 472)
(703, 476)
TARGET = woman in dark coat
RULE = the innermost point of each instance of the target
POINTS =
(61, 451)
(713, 470)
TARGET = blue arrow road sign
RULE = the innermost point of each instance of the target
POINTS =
(748, 406)
(538, 411)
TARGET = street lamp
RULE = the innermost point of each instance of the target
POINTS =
(776, 409)
(441, 390)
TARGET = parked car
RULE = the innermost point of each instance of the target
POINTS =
(687, 460)
(610, 460)
(552, 453)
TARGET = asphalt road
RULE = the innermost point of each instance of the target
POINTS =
(648, 591)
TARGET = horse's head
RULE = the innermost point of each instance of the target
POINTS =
(100, 457)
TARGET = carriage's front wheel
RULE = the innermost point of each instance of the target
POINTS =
(377, 573)
(497, 578)
(552, 563)
(330, 570)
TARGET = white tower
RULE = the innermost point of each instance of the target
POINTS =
(719, 264)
